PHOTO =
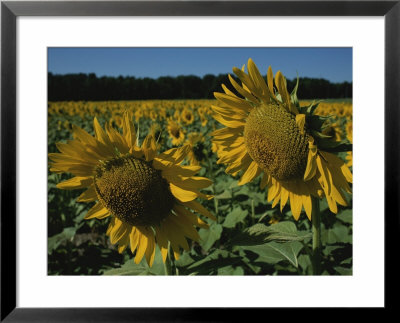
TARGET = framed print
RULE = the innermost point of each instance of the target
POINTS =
(178, 155)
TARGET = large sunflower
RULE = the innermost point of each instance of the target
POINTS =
(266, 131)
(149, 196)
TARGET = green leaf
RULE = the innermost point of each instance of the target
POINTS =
(260, 234)
(330, 145)
(233, 218)
(344, 271)
(214, 261)
(346, 216)
(184, 260)
(224, 195)
(339, 233)
(305, 263)
(209, 236)
(130, 268)
(231, 270)
(274, 252)
(67, 234)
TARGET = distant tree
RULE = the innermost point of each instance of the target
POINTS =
(73, 87)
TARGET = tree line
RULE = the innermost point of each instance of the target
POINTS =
(89, 87)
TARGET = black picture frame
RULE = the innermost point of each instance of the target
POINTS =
(11, 10)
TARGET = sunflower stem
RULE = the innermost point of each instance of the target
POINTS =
(253, 216)
(316, 236)
(210, 175)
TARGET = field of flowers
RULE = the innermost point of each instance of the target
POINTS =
(249, 234)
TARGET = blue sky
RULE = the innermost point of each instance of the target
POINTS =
(332, 63)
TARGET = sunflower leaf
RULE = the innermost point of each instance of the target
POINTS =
(346, 216)
(130, 268)
(66, 235)
(209, 236)
(260, 234)
(315, 122)
(219, 260)
(334, 146)
(233, 218)
(274, 252)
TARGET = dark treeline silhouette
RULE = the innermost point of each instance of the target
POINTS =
(89, 87)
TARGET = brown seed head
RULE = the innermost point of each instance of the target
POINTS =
(275, 143)
(133, 191)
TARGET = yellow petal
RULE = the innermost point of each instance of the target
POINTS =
(284, 197)
(233, 155)
(175, 235)
(270, 81)
(311, 167)
(61, 158)
(117, 140)
(100, 133)
(186, 195)
(229, 122)
(149, 147)
(252, 172)
(301, 121)
(75, 183)
(98, 211)
(196, 206)
(162, 242)
(119, 230)
(225, 133)
(246, 79)
(134, 238)
(234, 102)
(239, 164)
(129, 131)
(258, 80)
(280, 82)
(332, 204)
(142, 246)
(295, 205)
(273, 190)
(83, 136)
(172, 156)
(123, 243)
(242, 91)
(227, 91)
(325, 175)
(229, 112)
(264, 181)
(186, 171)
(189, 183)
(185, 226)
(150, 250)
(88, 196)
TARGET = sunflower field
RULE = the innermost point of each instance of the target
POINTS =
(254, 182)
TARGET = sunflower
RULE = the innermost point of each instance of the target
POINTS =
(187, 116)
(153, 114)
(202, 112)
(138, 114)
(176, 132)
(148, 196)
(267, 132)
(195, 143)
(349, 132)
(156, 131)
